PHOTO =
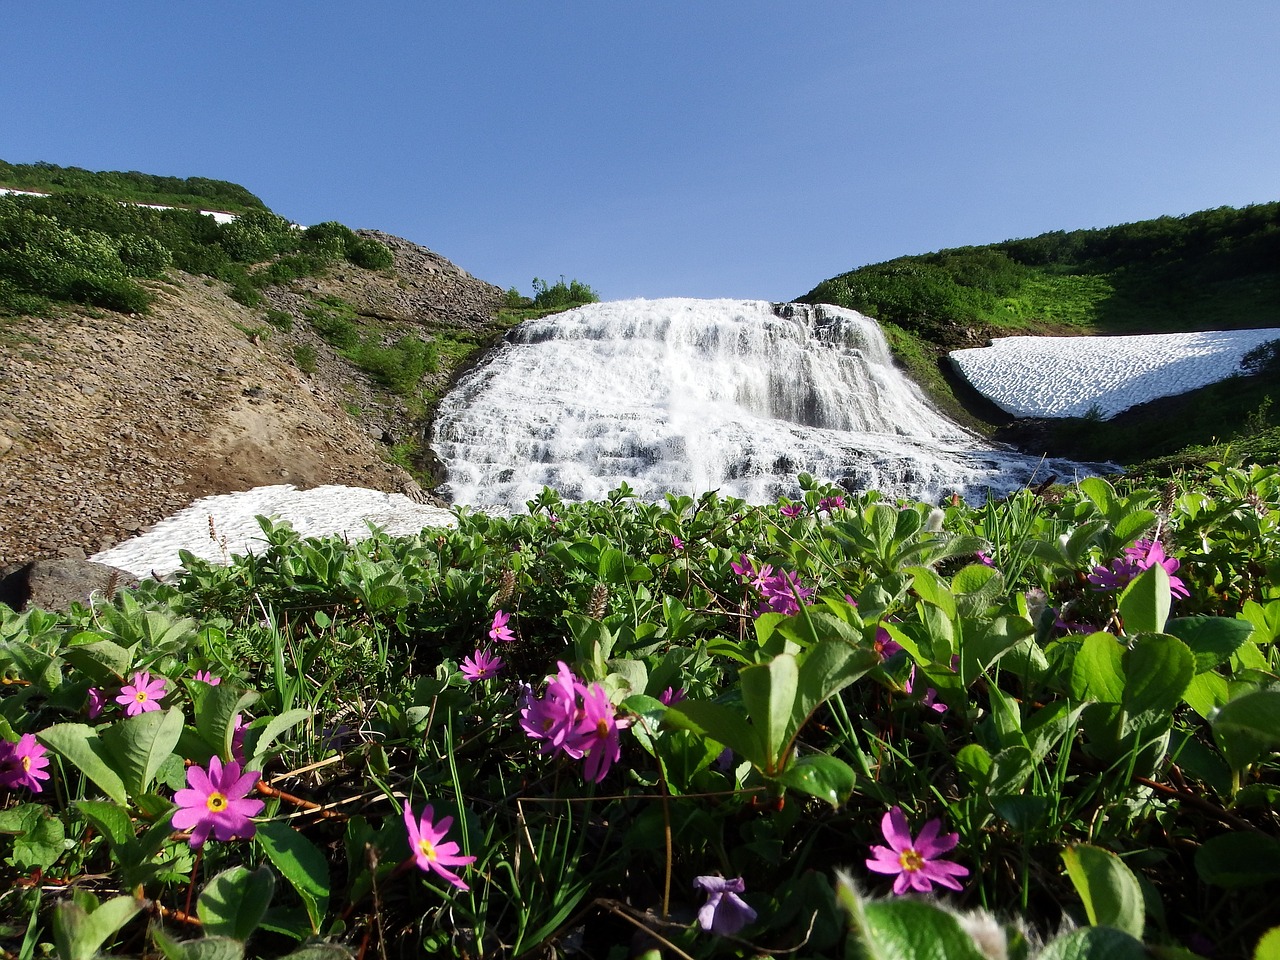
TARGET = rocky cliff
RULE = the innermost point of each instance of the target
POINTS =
(110, 422)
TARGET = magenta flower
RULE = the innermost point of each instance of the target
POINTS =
(724, 913)
(595, 737)
(428, 852)
(672, 695)
(500, 632)
(791, 510)
(885, 645)
(481, 665)
(676, 543)
(216, 801)
(204, 676)
(777, 591)
(1143, 554)
(97, 700)
(553, 717)
(831, 504)
(914, 861)
(22, 764)
(930, 698)
(983, 559)
(143, 695)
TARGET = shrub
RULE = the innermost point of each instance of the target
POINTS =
(562, 295)
(280, 320)
(305, 356)
(370, 254)
(143, 256)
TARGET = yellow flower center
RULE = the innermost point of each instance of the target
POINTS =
(140, 696)
(602, 729)
(427, 848)
(910, 860)
(217, 802)
(26, 763)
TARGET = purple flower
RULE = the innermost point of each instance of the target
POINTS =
(724, 913)
(551, 718)
(1142, 555)
(500, 632)
(930, 698)
(204, 676)
(676, 543)
(97, 700)
(237, 738)
(595, 737)
(831, 504)
(885, 645)
(672, 695)
(481, 665)
(143, 695)
(216, 802)
(791, 510)
(914, 861)
(777, 591)
(428, 852)
(22, 764)
(983, 559)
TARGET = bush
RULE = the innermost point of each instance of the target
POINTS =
(562, 295)
(280, 320)
(305, 356)
(370, 254)
(143, 256)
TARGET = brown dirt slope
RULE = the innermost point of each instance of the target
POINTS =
(111, 422)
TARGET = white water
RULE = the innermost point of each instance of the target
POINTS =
(686, 396)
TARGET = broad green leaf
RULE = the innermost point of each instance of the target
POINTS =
(982, 648)
(1269, 946)
(326, 951)
(721, 724)
(1158, 668)
(1212, 639)
(103, 660)
(975, 763)
(1132, 525)
(138, 745)
(1110, 891)
(299, 862)
(1047, 727)
(79, 745)
(932, 589)
(38, 837)
(826, 670)
(233, 903)
(1248, 725)
(976, 586)
(1098, 672)
(215, 717)
(270, 733)
(1239, 859)
(1011, 768)
(769, 694)
(910, 929)
(821, 776)
(80, 933)
(110, 819)
(1145, 602)
(1100, 493)
(1095, 943)
(1206, 692)
(213, 948)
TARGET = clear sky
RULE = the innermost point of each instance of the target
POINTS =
(705, 148)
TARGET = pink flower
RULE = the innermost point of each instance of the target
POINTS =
(885, 645)
(983, 559)
(237, 738)
(791, 510)
(676, 543)
(672, 695)
(500, 632)
(428, 852)
(930, 698)
(481, 665)
(724, 913)
(595, 737)
(96, 702)
(216, 802)
(22, 764)
(1142, 555)
(831, 504)
(143, 695)
(204, 676)
(914, 860)
(551, 718)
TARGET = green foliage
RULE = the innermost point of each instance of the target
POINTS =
(561, 295)
(306, 358)
(199, 192)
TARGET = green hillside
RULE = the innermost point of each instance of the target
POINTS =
(199, 192)
(1212, 270)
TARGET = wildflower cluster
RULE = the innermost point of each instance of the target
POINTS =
(778, 592)
(577, 720)
(1142, 555)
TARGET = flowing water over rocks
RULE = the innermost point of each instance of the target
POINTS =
(686, 396)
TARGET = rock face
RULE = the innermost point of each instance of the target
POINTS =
(57, 584)
(110, 422)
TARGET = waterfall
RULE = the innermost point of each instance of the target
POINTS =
(685, 396)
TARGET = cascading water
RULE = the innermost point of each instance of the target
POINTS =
(685, 396)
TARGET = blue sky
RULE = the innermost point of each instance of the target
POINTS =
(706, 148)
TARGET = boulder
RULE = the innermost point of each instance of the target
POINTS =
(57, 584)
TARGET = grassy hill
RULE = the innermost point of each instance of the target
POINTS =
(1212, 270)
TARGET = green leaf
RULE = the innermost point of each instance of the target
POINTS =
(826, 670)
(975, 763)
(1095, 943)
(1206, 693)
(78, 744)
(1248, 725)
(1269, 946)
(138, 745)
(39, 837)
(213, 948)
(910, 929)
(1145, 602)
(264, 741)
(1132, 525)
(1158, 669)
(80, 934)
(102, 660)
(216, 715)
(1111, 893)
(1098, 671)
(932, 589)
(721, 724)
(109, 819)
(819, 775)
(320, 951)
(233, 903)
(299, 862)
(1239, 859)
(1212, 639)
(769, 694)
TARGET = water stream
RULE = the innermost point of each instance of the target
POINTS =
(686, 396)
